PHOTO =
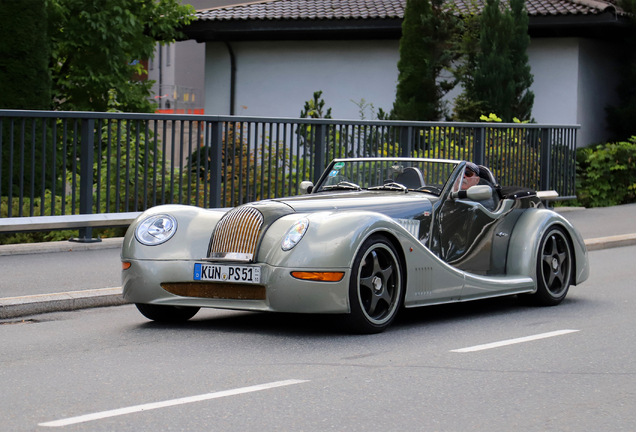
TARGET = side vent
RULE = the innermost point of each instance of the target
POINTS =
(411, 225)
(424, 277)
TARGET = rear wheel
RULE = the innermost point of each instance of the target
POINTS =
(163, 313)
(554, 268)
(375, 287)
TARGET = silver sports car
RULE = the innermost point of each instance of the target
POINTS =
(372, 236)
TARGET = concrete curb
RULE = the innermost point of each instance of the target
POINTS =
(14, 307)
(610, 242)
(59, 246)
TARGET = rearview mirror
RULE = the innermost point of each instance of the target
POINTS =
(306, 187)
(479, 193)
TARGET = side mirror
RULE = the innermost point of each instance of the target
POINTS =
(475, 193)
(306, 187)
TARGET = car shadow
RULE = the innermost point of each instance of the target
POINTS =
(287, 324)
(329, 325)
(477, 309)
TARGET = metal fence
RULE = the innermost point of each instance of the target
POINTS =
(64, 163)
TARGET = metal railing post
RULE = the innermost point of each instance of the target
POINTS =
(87, 148)
(479, 149)
(319, 151)
(406, 141)
(545, 156)
(216, 159)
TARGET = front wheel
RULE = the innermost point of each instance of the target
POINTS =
(375, 287)
(169, 314)
(554, 268)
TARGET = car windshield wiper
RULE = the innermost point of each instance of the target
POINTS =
(391, 186)
(342, 185)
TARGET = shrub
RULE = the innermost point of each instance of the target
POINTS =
(606, 174)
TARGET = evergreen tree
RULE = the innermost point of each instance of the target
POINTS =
(519, 42)
(426, 50)
(25, 81)
(466, 107)
(620, 118)
(494, 71)
(494, 76)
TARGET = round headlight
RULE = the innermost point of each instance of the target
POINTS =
(294, 234)
(155, 230)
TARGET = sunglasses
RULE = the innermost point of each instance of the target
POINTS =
(468, 173)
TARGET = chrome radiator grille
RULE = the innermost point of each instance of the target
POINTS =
(236, 235)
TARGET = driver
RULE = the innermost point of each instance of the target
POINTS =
(472, 178)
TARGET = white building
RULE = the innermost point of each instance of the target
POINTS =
(266, 58)
(178, 70)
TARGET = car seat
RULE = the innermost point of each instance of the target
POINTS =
(487, 175)
(411, 177)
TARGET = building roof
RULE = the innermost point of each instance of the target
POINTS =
(378, 9)
(364, 19)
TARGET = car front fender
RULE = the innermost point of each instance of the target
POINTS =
(191, 240)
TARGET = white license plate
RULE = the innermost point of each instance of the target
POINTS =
(227, 273)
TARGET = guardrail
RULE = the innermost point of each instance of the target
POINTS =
(86, 163)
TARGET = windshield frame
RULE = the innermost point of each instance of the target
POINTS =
(322, 181)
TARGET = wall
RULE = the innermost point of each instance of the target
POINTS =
(554, 64)
(276, 78)
(574, 79)
(598, 79)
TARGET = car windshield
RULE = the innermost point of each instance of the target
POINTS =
(400, 174)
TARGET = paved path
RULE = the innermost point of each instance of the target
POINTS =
(602, 221)
(87, 275)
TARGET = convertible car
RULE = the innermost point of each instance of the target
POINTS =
(372, 236)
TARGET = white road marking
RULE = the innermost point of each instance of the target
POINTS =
(513, 341)
(168, 403)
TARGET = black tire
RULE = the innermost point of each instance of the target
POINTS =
(375, 287)
(554, 268)
(168, 314)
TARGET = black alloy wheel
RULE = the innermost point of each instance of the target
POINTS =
(376, 286)
(554, 267)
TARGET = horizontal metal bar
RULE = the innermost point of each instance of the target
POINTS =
(42, 223)
(296, 120)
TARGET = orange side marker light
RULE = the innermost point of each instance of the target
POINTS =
(319, 276)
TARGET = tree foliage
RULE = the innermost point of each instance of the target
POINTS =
(620, 118)
(426, 49)
(523, 78)
(494, 75)
(495, 72)
(96, 47)
(25, 82)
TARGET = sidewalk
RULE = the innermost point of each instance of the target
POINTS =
(601, 228)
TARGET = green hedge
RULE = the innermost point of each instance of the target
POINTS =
(606, 174)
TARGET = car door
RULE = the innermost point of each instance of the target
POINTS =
(462, 231)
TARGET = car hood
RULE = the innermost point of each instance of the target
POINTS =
(393, 204)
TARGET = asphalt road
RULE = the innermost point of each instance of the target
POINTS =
(63, 365)
(59, 272)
